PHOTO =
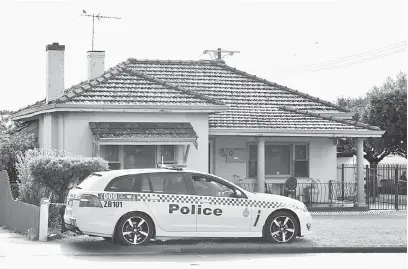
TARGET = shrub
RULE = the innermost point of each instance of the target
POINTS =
(31, 191)
(52, 173)
(24, 160)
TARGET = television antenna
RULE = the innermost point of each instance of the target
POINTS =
(99, 17)
(218, 53)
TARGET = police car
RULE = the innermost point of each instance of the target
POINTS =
(133, 206)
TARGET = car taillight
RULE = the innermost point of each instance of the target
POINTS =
(89, 200)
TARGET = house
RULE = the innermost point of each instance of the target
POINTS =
(205, 114)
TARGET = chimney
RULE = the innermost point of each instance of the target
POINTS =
(96, 64)
(54, 71)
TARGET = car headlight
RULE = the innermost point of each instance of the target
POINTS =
(303, 207)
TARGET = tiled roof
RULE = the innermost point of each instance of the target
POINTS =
(254, 103)
(36, 104)
(275, 118)
(234, 87)
(162, 130)
(332, 120)
(120, 85)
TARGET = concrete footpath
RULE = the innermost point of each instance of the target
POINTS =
(385, 233)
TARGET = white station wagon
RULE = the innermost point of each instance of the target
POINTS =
(136, 205)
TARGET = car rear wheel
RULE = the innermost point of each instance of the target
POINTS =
(281, 227)
(134, 229)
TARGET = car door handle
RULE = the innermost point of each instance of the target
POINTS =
(205, 201)
(154, 199)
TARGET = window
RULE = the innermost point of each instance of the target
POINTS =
(142, 183)
(280, 160)
(277, 159)
(206, 186)
(169, 183)
(301, 161)
(110, 154)
(139, 157)
(122, 184)
(168, 154)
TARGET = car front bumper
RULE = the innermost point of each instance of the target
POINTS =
(305, 219)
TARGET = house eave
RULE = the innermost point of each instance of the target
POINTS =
(145, 141)
(295, 133)
(29, 113)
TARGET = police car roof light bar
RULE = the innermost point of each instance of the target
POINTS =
(178, 167)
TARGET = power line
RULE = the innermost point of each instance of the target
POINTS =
(390, 48)
(356, 61)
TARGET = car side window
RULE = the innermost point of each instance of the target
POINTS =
(122, 184)
(207, 186)
(156, 181)
(169, 183)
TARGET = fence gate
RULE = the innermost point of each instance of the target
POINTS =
(386, 186)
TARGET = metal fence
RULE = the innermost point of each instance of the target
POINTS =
(21, 217)
(386, 187)
(312, 193)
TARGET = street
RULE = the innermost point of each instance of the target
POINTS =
(337, 233)
(315, 261)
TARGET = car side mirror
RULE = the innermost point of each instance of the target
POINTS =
(238, 194)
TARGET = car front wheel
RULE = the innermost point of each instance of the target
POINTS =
(281, 227)
(134, 229)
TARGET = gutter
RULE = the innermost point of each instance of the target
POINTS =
(295, 133)
(31, 112)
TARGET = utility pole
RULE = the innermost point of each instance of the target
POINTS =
(99, 17)
(218, 53)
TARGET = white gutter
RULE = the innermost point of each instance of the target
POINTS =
(32, 112)
(296, 133)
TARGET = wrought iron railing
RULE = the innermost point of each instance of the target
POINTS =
(311, 193)
(385, 185)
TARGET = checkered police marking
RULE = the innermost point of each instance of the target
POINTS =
(167, 198)
(216, 201)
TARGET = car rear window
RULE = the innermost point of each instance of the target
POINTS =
(89, 181)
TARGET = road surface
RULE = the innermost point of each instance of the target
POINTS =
(315, 261)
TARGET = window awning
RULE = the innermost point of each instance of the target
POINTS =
(143, 133)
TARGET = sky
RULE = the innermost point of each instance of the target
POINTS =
(294, 43)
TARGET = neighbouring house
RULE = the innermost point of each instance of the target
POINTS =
(205, 114)
(348, 158)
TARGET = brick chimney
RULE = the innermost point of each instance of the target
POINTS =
(96, 64)
(54, 71)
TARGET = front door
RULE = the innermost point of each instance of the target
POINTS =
(218, 210)
(171, 201)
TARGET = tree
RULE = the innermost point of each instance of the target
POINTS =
(10, 147)
(5, 124)
(385, 107)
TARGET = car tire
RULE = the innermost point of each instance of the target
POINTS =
(281, 227)
(141, 228)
